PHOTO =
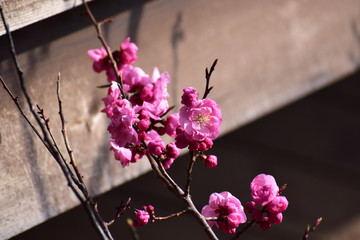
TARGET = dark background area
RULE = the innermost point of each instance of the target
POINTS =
(312, 145)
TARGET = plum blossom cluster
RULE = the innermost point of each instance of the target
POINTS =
(137, 120)
(137, 107)
(227, 209)
(229, 213)
(265, 193)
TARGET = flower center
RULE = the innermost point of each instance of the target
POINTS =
(201, 119)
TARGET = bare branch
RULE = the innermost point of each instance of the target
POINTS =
(63, 131)
(207, 76)
(97, 26)
(171, 216)
(192, 160)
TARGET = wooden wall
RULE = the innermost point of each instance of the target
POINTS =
(270, 54)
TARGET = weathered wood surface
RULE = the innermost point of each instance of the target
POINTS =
(270, 54)
(22, 13)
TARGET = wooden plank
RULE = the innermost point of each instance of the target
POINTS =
(270, 54)
(21, 13)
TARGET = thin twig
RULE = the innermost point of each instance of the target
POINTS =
(97, 26)
(74, 185)
(309, 229)
(120, 211)
(180, 194)
(63, 131)
(207, 76)
(192, 160)
(171, 216)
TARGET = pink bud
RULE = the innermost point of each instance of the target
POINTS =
(141, 218)
(265, 224)
(194, 146)
(143, 125)
(202, 147)
(172, 151)
(128, 51)
(275, 218)
(208, 142)
(210, 161)
(278, 205)
(168, 162)
(189, 96)
(181, 141)
(172, 123)
(250, 207)
(156, 147)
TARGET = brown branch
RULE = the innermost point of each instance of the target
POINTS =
(74, 185)
(97, 26)
(120, 211)
(192, 160)
(178, 192)
(207, 76)
(171, 216)
(64, 134)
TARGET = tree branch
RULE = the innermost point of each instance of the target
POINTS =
(97, 26)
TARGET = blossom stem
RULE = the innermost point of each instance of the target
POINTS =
(171, 216)
(192, 160)
(174, 188)
(246, 227)
(106, 46)
(201, 219)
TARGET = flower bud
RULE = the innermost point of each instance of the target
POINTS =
(210, 161)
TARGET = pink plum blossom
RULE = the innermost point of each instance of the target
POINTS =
(201, 121)
(278, 204)
(250, 207)
(101, 61)
(124, 155)
(168, 162)
(156, 102)
(121, 125)
(128, 51)
(172, 123)
(264, 189)
(172, 151)
(181, 141)
(111, 99)
(155, 144)
(189, 97)
(134, 78)
(227, 209)
(141, 218)
(275, 218)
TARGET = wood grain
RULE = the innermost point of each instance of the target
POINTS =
(21, 13)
